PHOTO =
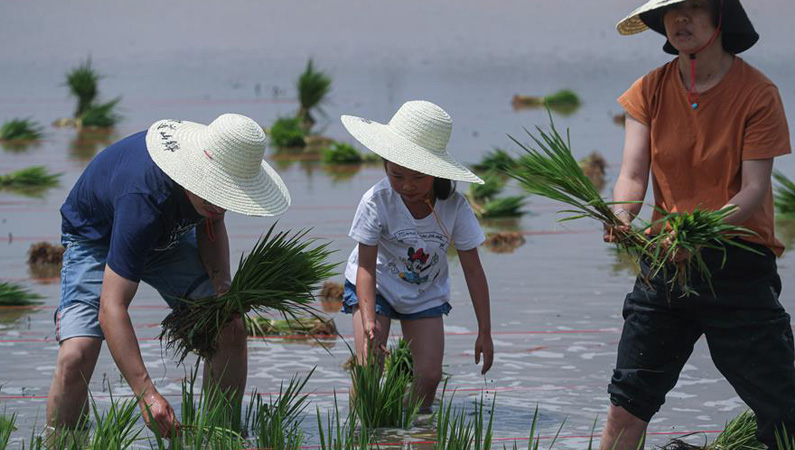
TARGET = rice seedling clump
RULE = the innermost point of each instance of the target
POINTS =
(45, 253)
(313, 88)
(15, 295)
(21, 130)
(279, 275)
(784, 197)
(287, 133)
(342, 153)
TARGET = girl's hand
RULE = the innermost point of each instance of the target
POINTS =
(371, 332)
(484, 346)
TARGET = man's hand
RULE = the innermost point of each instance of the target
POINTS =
(615, 233)
(158, 415)
(484, 346)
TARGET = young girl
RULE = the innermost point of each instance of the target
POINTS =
(404, 226)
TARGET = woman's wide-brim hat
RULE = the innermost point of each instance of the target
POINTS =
(738, 32)
(416, 138)
(221, 163)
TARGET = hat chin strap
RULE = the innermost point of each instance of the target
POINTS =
(692, 93)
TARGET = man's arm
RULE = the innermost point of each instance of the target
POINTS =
(215, 253)
(117, 293)
(754, 188)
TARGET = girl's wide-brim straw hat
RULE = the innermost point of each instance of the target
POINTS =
(221, 163)
(416, 138)
(738, 32)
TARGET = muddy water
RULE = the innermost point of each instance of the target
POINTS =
(556, 300)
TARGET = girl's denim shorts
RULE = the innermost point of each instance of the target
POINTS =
(383, 308)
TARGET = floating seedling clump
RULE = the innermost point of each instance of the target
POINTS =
(45, 253)
(342, 153)
(504, 241)
(83, 84)
(313, 88)
(279, 276)
(784, 197)
(311, 327)
(15, 295)
(17, 130)
(564, 101)
(287, 133)
(594, 167)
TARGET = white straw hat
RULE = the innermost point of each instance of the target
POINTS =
(416, 138)
(221, 163)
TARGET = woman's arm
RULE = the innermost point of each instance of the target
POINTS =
(215, 253)
(365, 287)
(633, 178)
(479, 292)
(754, 188)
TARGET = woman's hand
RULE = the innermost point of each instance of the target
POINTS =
(484, 346)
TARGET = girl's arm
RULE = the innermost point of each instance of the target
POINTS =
(479, 292)
(365, 287)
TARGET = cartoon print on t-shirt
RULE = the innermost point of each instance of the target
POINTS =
(416, 266)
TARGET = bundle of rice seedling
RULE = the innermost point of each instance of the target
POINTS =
(400, 358)
(14, 295)
(303, 326)
(341, 153)
(502, 207)
(31, 177)
(45, 253)
(784, 197)
(594, 166)
(382, 396)
(691, 232)
(287, 133)
(739, 434)
(552, 172)
(21, 130)
(278, 276)
(103, 115)
(497, 160)
(491, 187)
(83, 83)
(504, 241)
(313, 88)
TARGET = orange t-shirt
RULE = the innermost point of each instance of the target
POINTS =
(697, 155)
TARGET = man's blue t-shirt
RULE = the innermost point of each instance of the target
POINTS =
(124, 200)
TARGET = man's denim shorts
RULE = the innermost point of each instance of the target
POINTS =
(175, 273)
(383, 308)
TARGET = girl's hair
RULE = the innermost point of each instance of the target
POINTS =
(442, 187)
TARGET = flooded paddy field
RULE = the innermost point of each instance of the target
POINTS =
(556, 300)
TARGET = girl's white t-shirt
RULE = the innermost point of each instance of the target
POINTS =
(411, 269)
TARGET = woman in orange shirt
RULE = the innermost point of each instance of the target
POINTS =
(707, 126)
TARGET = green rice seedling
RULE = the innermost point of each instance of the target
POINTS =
(287, 133)
(400, 359)
(31, 177)
(6, 428)
(15, 295)
(83, 83)
(491, 187)
(21, 130)
(497, 160)
(371, 158)
(313, 88)
(534, 443)
(382, 395)
(342, 153)
(341, 435)
(502, 207)
(209, 420)
(739, 434)
(103, 115)
(279, 275)
(562, 98)
(115, 428)
(276, 423)
(691, 232)
(784, 197)
(454, 430)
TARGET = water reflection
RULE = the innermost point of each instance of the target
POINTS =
(88, 141)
